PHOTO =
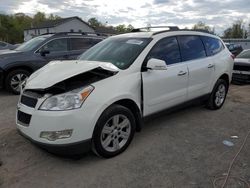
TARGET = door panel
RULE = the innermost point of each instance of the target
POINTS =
(200, 77)
(199, 65)
(58, 50)
(164, 88)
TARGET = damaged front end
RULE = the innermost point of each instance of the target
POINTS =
(67, 94)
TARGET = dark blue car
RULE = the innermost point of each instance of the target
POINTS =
(17, 65)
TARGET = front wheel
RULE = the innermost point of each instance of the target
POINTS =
(218, 95)
(114, 131)
(14, 80)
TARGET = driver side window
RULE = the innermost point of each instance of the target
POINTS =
(166, 49)
(57, 45)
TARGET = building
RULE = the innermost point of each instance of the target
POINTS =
(71, 24)
(108, 31)
(245, 43)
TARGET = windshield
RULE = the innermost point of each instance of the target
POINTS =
(119, 51)
(244, 55)
(31, 44)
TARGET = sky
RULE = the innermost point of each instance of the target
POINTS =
(182, 13)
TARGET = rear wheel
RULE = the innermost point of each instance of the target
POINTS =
(114, 131)
(218, 95)
(14, 80)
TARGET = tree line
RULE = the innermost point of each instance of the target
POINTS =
(12, 26)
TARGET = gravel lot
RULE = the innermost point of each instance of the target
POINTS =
(180, 149)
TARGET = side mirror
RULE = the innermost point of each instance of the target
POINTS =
(44, 52)
(156, 64)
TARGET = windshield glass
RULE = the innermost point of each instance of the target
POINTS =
(31, 44)
(244, 54)
(119, 51)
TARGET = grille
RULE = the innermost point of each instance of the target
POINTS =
(23, 118)
(242, 67)
(28, 101)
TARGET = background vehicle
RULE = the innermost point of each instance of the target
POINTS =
(241, 71)
(16, 65)
(235, 49)
(5, 46)
(99, 101)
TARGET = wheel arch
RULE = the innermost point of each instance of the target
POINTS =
(225, 77)
(131, 105)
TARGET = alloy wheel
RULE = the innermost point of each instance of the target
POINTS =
(115, 133)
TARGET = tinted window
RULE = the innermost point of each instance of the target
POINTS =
(80, 43)
(56, 45)
(167, 50)
(191, 47)
(212, 45)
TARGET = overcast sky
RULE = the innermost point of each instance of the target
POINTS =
(183, 13)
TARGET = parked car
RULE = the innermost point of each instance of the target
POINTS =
(235, 49)
(5, 46)
(241, 72)
(99, 101)
(17, 65)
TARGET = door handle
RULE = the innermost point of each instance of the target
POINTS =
(182, 73)
(210, 66)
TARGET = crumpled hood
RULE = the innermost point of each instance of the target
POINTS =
(57, 71)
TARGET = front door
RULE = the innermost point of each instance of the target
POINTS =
(56, 49)
(165, 88)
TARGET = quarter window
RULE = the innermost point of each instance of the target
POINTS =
(191, 47)
(167, 50)
(212, 45)
(56, 45)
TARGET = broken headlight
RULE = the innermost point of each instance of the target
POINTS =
(67, 101)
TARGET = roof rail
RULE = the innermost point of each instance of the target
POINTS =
(198, 30)
(143, 29)
(78, 33)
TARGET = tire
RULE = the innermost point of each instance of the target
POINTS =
(218, 95)
(17, 77)
(113, 132)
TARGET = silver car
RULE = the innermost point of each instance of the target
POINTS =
(241, 72)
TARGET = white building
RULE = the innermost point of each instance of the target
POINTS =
(71, 24)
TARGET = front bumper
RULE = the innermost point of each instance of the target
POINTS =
(31, 122)
(241, 76)
(63, 149)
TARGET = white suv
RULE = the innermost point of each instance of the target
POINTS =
(99, 100)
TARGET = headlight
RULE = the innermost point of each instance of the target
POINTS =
(67, 101)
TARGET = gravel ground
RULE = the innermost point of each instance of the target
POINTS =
(180, 149)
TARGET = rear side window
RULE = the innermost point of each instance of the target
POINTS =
(212, 45)
(80, 43)
(167, 50)
(191, 47)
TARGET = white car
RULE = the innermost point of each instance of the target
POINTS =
(100, 100)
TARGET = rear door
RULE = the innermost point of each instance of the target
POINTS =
(200, 67)
(165, 88)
